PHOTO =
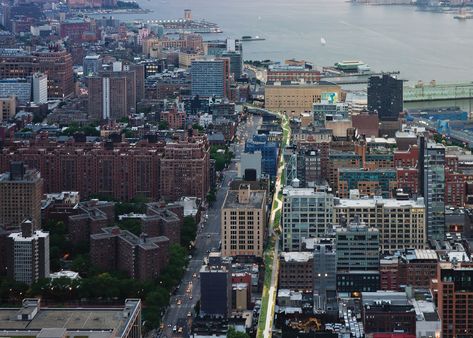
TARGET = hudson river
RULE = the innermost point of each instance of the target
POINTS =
(422, 45)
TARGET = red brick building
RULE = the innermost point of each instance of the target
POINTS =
(453, 292)
(120, 170)
(184, 170)
(56, 63)
(175, 119)
(141, 257)
(408, 180)
(408, 158)
(75, 29)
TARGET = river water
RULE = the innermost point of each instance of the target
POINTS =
(421, 45)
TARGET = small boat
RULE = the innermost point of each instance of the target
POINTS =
(323, 42)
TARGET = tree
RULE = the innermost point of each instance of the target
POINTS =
(163, 125)
(188, 231)
(133, 225)
(232, 333)
(211, 196)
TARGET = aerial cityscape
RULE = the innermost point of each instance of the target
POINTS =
(244, 169)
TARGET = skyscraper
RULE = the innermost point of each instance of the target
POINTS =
(208, 78)
(112, 94)
(28, 253)
(432, 183)
(20, 196)
(40, 88)
(385, 97)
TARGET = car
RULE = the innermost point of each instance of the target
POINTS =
(179, 302)
(190, 297)
(208, 251)
(208, 236)
(194, 275)
(161, 326)
(189, 314)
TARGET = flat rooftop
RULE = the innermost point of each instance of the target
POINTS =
(372, 202)
(256, 200)
(100, 322)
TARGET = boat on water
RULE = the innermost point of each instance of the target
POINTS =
(352, 66)
(323, 42)
(463, 15)
(250, 38)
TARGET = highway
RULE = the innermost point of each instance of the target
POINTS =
(208, 238)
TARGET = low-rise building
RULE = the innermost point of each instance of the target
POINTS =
(296, 271)
(36, 321)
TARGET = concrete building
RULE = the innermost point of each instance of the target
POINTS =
(184, 170)
(216, 287)
(296, 271)
(294, 99)
(40, 88)
(18, 87)
(141, 257)
(306, 213)
(7, 108)
(21, 190)
(432, 183)
(453, 291)
(393, 218)
(250, 161)
(28, 254)
(325, 273)
(357, 251)
(377, 182)
(92, 65)
(243, 222)
(36, 321)
(209, 78)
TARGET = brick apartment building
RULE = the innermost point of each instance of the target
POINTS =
(120, 170)
(54, 62)
(141, 257)
(184, 170)
(21, 190)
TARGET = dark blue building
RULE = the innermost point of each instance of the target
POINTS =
(269, 153)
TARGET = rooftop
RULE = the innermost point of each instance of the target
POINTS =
(71, 319)
(256, 200)
(294, 256)
(372, 202)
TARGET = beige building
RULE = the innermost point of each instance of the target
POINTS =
(8, 107)
(401, 224)
(295, 99)
(21, 191)
(243, 221)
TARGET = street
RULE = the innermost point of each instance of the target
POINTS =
(208, 238)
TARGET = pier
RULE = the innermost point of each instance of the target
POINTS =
(438, 92)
